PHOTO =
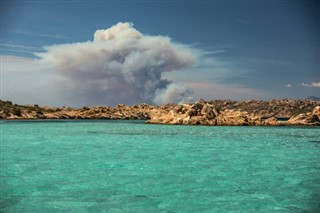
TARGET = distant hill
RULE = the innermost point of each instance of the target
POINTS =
(313, 98)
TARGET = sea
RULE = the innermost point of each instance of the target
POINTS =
(133, 167)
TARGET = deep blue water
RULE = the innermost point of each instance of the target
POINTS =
(128, 166)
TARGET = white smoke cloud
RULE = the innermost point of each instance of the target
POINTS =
(121, 65)
(312, 84)
(173, 93)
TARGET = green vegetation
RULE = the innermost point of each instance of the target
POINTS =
(7, 108)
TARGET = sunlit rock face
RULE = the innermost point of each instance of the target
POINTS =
(217, 112)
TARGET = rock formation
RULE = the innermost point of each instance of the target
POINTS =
(11, 111)
(215, 112)
(242, 113)
(309, 118)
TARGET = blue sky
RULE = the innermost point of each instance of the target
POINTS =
(249, 49)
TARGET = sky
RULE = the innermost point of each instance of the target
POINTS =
(85, 53)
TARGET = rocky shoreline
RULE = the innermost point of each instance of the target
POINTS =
(215, 112)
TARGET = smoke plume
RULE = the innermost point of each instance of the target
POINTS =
(120, 65)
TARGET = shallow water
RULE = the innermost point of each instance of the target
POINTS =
(125, 166)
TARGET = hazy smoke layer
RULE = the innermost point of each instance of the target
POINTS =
(121, 65)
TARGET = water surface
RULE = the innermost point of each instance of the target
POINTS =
(127, 166)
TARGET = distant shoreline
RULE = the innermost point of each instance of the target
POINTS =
(214, 113)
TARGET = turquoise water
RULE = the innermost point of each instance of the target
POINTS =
(119, 166)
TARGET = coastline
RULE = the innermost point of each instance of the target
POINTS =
(283, 112)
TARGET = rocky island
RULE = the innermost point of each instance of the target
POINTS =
(214, 112)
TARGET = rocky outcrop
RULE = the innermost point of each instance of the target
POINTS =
(11, 111)
(215, 112)
(243, 113)
(309, 118)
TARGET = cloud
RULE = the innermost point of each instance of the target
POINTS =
(312, 84)
(120, 65)
(16, 64)
(207, 68)
(214, 52)
(18, 48)
(174, 93)
(209, 90)
(25, 81)
(38, 34)
(288, 85)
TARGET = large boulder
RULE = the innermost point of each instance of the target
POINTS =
(309, 118)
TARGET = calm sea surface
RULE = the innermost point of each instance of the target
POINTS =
(123, 166)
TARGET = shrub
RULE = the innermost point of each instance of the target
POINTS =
(16, 111)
